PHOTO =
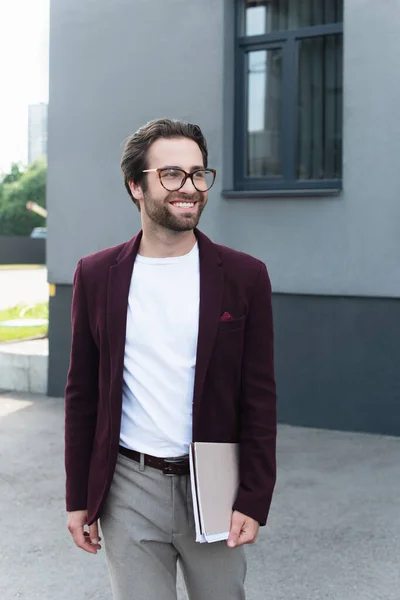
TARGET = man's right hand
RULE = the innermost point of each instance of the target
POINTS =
(87, 540)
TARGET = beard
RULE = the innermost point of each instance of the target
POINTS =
(160, 211)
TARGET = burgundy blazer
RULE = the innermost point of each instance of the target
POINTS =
(234, 390)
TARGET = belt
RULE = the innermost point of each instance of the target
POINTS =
(169, 466)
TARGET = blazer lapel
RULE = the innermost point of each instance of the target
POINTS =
(119, 281)
(211, 296)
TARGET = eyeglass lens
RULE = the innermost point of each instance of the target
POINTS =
(172, 179)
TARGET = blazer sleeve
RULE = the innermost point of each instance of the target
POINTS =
(81, 399)
(257, 448)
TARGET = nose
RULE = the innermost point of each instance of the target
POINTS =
(188, 187)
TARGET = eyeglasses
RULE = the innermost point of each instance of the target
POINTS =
(174, 179)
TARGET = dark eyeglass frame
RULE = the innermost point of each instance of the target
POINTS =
(185, 178)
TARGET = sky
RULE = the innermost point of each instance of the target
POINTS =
(24, 50)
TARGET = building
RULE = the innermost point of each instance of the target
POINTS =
(304, 131)
(37, 131)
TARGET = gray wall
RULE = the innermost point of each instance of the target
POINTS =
(59, 340)
(337, 362)
(22, 250)
(350, 244)
(114, 65)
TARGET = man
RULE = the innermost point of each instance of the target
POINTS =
(172, 341)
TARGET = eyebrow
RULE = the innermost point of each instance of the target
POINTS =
(192, 169)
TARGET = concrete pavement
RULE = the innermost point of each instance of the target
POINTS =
(24, 365)
(333, 532)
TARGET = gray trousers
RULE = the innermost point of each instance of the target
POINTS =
(148, 525)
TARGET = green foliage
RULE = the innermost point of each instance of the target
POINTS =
(15, 174)
(37, 311)
(16, 189)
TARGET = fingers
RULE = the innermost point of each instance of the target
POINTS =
(245, 538)
(83, 541)
(83, 538)
(244, 530)
(94, 533)
(80, 539)
(93, 544)
(237, 523)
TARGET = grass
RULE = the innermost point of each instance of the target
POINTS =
(37, 311)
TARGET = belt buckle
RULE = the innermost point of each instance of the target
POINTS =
(166, 470)
(170, 462)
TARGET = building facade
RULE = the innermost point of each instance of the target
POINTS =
(300, 109)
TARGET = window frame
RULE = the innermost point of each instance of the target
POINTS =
(288, 41)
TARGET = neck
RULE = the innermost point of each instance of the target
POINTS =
(165, 243)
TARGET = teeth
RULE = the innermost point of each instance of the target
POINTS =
(184, 204)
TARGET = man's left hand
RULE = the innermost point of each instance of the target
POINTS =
(244, 530)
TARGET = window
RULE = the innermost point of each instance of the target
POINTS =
(289, 82)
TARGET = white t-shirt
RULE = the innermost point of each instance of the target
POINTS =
(160, 355)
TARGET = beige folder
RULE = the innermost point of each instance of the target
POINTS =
(214, 472)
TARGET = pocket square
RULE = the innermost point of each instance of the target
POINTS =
(226, 317)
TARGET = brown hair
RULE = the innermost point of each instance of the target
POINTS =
(134, 157)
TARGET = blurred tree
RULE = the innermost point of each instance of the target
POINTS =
(15, 174)
(18, 188)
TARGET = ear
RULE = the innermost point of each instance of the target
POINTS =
(136, 190)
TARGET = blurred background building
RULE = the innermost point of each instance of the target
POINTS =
(37, 131)
(303, 128)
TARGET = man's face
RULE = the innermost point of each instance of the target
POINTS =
(161, 206)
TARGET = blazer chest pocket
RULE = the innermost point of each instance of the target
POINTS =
(232, 325)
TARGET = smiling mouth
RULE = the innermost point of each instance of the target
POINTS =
(181, 204)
